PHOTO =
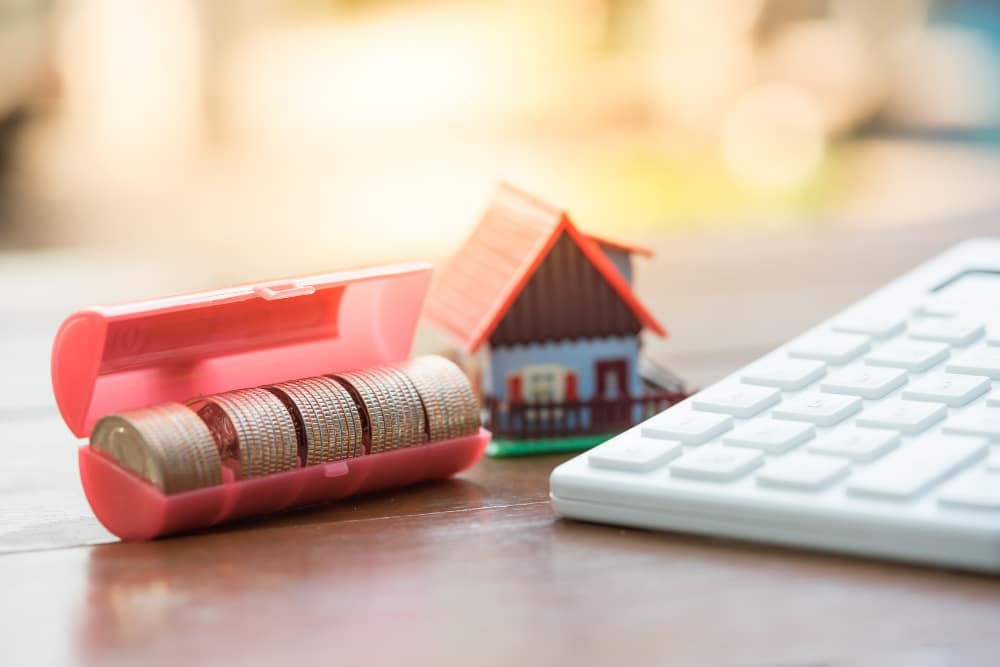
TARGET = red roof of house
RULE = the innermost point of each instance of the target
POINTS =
(619, 244)
(475, 290)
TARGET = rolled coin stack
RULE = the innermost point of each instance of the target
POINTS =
(390, 407)
(328, 421)
(166, 444)
(255, 432)
(449, 402)
(264, 429)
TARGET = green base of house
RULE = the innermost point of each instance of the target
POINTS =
(502, 447)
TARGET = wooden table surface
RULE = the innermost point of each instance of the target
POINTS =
(474, 570)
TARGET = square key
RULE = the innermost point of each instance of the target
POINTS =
(856, 443)
(688, 426)
(912, 355)
(787, 374)
(953, 330)
(802, 471)
(993, 400)
(716, 463)
(980, 361)
(818, 408)
(903, 415)
(834, 348)
(982, 421)
(874, 323)
(865, 381)
(770, 435)
(952, 389)
(739, 400)
(633, 454)
(976, 489)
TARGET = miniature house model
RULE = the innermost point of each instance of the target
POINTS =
(550, 314)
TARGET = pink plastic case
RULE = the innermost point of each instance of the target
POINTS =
(115, 358)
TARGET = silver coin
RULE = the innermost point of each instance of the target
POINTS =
(164, 445)
(265, 430)
(313, 419)
(349, 410)
(373, 415)
(408, 399)
(448, 397)
(348, 413)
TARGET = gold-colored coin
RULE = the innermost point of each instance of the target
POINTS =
(167, 445)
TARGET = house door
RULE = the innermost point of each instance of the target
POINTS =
(611, 404)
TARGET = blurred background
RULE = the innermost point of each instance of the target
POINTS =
(781, 157)
(236, 139)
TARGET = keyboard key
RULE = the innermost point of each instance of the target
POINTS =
(982, 421)
(993, 463)
(834, 348)
(787, 374)
(939, 305)
(716, 463)
(738, 400)
(981, 361)
(770, 435)
(916, 467)
(865, 381)
(802, 471)
(976, 489)
(953, 330)
(993, 400)
(902, 415)
(912, 355)
(634, 455)
(874, 323)
(817, 408)
(948, 388)
(856, 443)
(688, 426)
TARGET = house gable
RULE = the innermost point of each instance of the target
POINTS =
(566, 298)
(474, 291)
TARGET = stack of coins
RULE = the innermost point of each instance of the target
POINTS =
(264, 429)
(449, 403)
(390, 407)
(255, 432)
(328, 422)
(167, 445)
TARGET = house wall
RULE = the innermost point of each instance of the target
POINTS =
(579, 355)
(566, 298)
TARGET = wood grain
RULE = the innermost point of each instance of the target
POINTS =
(477, 570)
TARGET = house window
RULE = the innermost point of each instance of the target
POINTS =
(539, 383)
(543, 383)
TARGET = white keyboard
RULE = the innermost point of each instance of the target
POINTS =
(875, 433)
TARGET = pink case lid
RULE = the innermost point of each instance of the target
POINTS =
(114, 358)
